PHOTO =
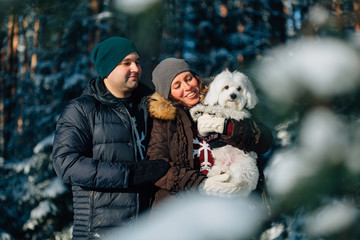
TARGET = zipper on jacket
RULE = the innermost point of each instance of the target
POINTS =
(132, 127)
(135, 147)
(91, 203)
(136, 157)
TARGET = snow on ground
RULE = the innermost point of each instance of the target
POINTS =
(197, 217)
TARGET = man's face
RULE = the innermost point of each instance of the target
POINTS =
(125, 76)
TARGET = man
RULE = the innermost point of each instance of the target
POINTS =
(100, 143)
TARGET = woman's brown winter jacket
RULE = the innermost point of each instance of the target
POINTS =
(172, 140)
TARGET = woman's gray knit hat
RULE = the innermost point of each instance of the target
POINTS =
(165, 72)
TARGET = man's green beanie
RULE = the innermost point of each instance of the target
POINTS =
(109, 53)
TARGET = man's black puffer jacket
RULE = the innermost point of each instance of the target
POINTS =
(95, 151)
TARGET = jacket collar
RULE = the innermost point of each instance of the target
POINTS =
(97, 89)
(164, 109)
(161, 108)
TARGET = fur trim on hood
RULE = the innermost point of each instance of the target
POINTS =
(161, 108)
(164, 109)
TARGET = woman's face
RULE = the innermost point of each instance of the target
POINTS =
(185, 89)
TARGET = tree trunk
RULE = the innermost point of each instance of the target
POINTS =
(9, 81)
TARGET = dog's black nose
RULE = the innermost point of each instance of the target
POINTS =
(233, 96)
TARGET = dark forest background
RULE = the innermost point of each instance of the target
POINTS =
(45, 48)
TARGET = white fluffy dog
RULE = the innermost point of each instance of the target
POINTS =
(230, 95)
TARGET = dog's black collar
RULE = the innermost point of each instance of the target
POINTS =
(213, 140)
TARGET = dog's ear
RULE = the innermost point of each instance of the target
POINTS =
(212, 96)
(215, 87)
(250, 94)
(210, 100)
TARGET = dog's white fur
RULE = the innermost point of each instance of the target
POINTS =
(231, 91)
(229, 96)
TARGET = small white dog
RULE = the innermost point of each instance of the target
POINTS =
(229, 96)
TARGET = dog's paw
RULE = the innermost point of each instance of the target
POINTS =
(197, 111)
(217, 170)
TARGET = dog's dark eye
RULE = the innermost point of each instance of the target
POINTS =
(226, 87)
(198, 113)
(239, 89)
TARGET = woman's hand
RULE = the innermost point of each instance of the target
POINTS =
(207, 124)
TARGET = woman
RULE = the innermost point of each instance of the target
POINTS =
(178, 89)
